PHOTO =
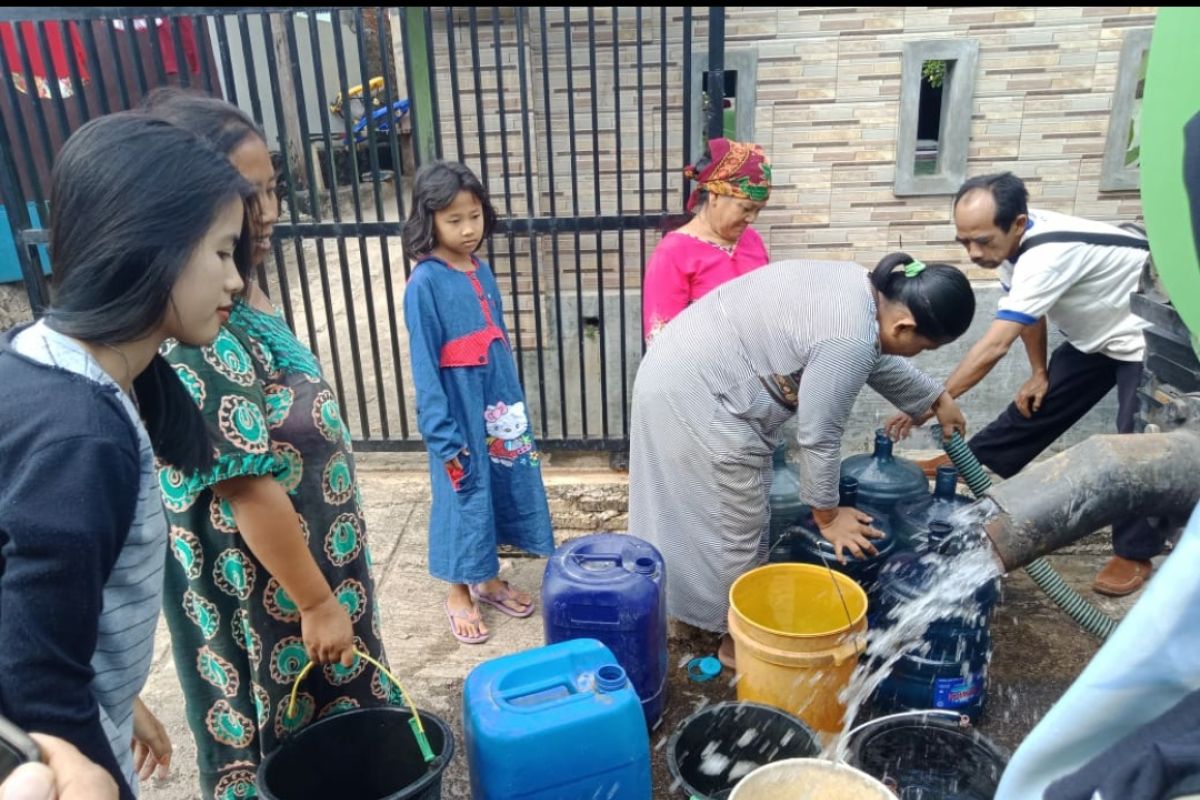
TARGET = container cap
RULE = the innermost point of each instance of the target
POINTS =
(611, 678)
(702, 670)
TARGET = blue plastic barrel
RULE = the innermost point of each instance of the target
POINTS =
(560, 722)
(611, 587)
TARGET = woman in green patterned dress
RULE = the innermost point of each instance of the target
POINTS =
(271, 567)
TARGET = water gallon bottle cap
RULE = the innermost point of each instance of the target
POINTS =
(610, 678)
(883, 444)
(644, 566)
(946, 482)
(702, 670)
(940, 532)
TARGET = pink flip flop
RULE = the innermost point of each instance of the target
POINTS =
(470, 617)
(497, 600)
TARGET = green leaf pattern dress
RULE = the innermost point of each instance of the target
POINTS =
(234, 630)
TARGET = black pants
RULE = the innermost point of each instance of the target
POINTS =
(1077, 382)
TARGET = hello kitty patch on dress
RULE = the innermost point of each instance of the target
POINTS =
(509, 441)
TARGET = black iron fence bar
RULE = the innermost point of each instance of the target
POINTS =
(31, 88)
(552, 208)
(663, 98)
(507, 181)
(93, 60)
(575, 213)
(277, 107)
(181, 62)
(290, 187)
(52, 81)
(616, 43)
(714, 113)
(381, 29)
(339, 46)
(73, 71)
(204, 42)
(480, 123)
(252, 73)
(418, 445)
(641, 118)
(160, 70)
(451, 56)
(18, 219)
(597, 210)
(392, 95)
(35, 182)
(436, 121)
(531, 203)
(139, 68)
(118, 61)
(688, 156)
(377, 183)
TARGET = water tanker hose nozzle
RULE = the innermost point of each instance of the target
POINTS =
(1090, 618)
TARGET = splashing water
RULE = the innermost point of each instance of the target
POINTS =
(950, 582)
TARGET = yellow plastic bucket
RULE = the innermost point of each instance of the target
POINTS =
(797, 631)
(809, 779)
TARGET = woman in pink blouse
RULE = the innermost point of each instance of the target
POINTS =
(717, 244)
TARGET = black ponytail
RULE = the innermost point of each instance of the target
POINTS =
(178, 433)
(939, 297)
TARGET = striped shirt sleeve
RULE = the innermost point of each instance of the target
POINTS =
(836, 371)
(904, 386)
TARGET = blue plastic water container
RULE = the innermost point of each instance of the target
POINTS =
(884, 480)
(912, 518)
(611, 587)
(804, 542)
(952, 673)
(560, 722)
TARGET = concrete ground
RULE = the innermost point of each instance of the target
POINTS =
(1038, 651)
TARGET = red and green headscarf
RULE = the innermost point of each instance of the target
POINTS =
(738, 169)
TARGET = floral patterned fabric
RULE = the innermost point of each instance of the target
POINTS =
(235, 632)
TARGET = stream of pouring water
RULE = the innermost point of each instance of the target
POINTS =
(951, 583)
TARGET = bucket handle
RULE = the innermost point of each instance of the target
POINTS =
(963, 721)
(414, 721)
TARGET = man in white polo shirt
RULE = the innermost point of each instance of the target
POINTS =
(1079, 274)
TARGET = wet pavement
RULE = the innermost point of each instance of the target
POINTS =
(1038, 651)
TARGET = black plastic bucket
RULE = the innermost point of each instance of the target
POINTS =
(366, 754)
(928, 757)
(719, 745)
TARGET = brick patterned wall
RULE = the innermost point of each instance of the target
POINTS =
(828, 113)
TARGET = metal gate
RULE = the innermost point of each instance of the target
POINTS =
(576, 119)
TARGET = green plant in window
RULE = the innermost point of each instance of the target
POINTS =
(1133, 146)
(934, 71)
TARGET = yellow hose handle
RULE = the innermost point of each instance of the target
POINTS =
(415, 721)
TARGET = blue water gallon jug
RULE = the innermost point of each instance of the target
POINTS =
(611, 587)
(949, 671)
(883, 479)
(560, 722)
(784, 500)
(912, 518)
(808, 546)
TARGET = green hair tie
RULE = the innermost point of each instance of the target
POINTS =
(913, 269)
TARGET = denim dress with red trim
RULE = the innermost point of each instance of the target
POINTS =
(469, 398)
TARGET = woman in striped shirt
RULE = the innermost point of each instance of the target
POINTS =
(703, 429)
